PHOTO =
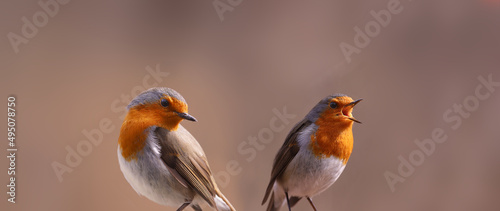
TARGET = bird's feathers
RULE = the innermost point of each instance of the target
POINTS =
(191, 171)
(285, 155)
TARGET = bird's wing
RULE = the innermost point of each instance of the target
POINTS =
(190, 170)
(286, 154)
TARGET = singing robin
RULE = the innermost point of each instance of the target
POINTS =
(314, 153)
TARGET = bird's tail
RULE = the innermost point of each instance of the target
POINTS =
(277, 199)
(271, 206)
(222, 203)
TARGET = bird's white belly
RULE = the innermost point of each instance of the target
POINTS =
(308, 175)
(148, 177)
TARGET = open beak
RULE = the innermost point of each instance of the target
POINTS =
(350, 106)
(186, 116)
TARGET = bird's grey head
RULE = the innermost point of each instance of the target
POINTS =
(154, 95)
(314, 114)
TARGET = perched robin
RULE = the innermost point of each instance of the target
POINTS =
(160, 159)
(314, 154)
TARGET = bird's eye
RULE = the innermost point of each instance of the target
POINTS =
(333, 105)
(164, 102)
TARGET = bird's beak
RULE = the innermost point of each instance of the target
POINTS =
(186, 116)
(351, 105)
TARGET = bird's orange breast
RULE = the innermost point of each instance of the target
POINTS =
(133, 132)
(132, 140)
(332, 139)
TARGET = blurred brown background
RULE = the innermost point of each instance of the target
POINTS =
(233, 73)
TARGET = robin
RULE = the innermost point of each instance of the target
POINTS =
(160, 159)
(314, 154)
